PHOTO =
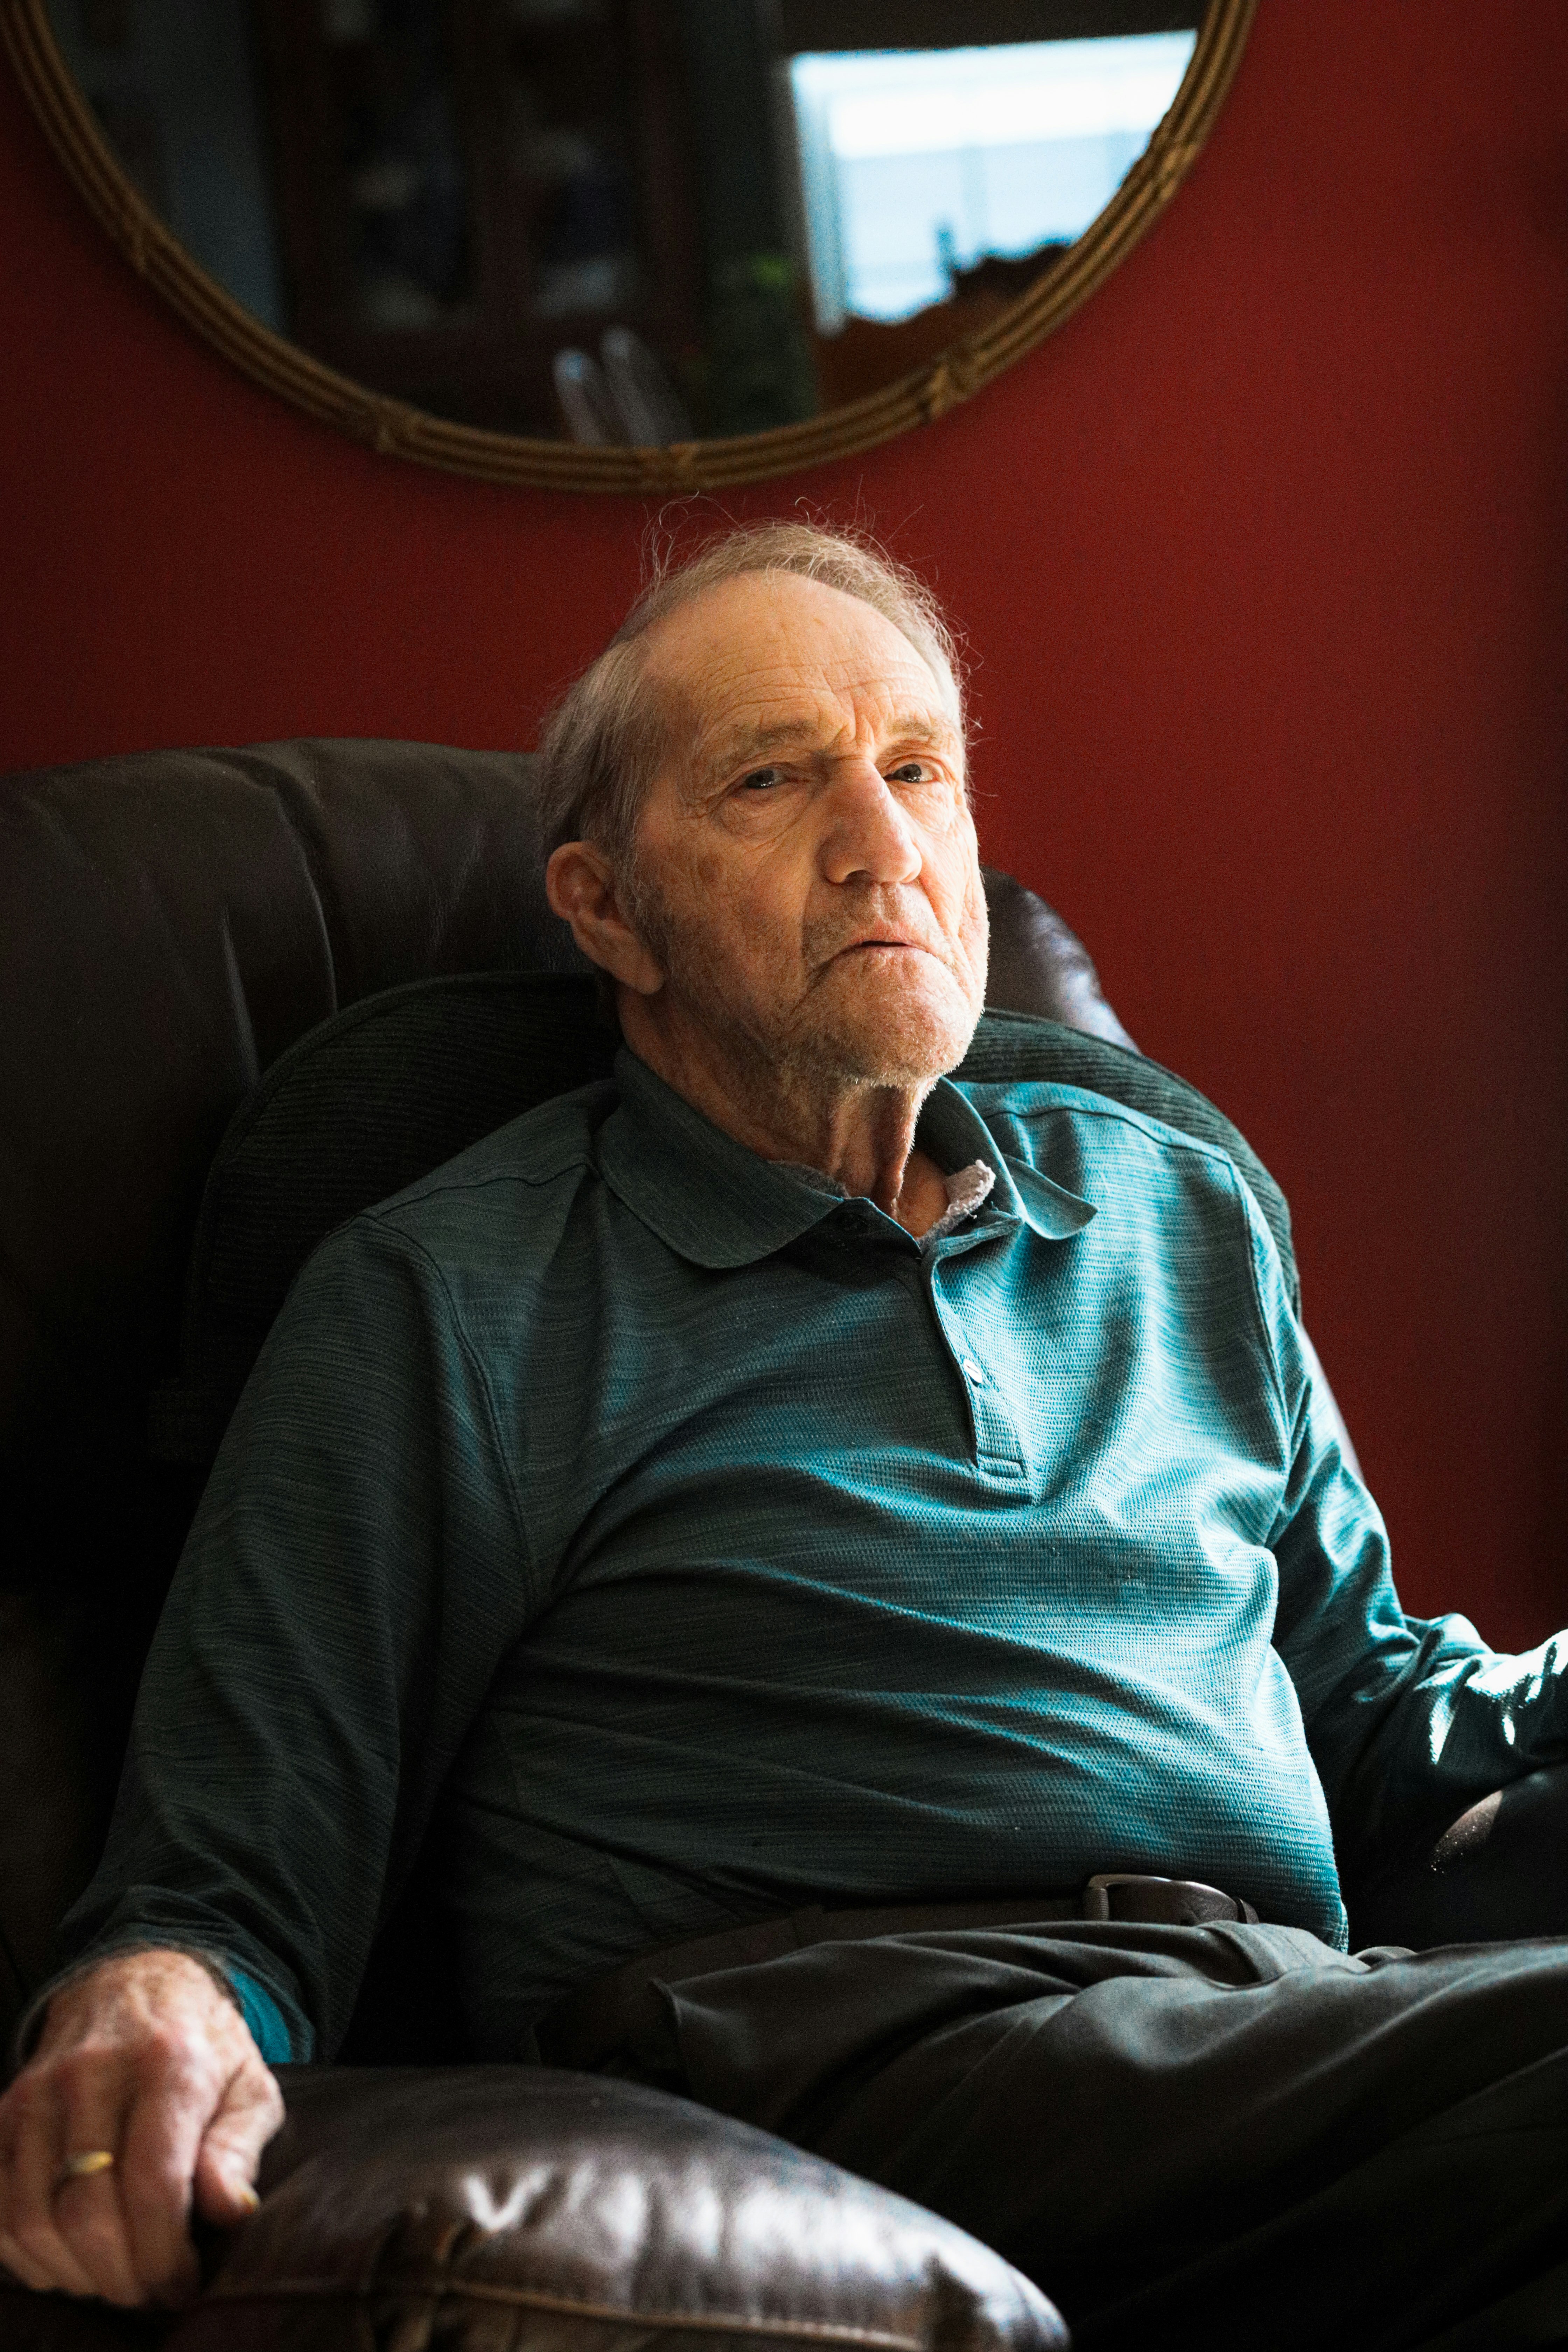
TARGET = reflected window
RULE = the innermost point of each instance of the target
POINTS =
(918, 165)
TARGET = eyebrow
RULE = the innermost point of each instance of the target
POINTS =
(748, 744)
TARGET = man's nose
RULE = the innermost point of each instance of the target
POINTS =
(868, 835)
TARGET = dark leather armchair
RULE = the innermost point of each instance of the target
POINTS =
(169, 924)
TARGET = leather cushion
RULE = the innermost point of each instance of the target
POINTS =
(374, 1099)
(492, 2206)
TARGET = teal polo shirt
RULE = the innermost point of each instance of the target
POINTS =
(652, 1538)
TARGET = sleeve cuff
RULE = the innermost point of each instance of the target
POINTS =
(261, 2014)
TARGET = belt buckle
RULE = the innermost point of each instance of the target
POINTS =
(1095, 1902)
(1181, 1902)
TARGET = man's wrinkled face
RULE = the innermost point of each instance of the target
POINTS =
(807, 871)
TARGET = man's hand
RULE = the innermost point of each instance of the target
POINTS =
(145, 2059)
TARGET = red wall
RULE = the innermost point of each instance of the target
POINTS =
(1263, 561)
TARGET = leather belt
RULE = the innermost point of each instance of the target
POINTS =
(603, 2017)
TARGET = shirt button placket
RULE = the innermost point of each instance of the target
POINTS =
(996, 1439)
(999, 1451)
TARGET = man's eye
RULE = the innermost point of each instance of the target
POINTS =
(761, 780)
(910, 772)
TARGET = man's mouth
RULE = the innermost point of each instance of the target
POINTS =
(822, 951)
(894, 948)
(890, 940)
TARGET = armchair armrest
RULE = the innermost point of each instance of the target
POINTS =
(490, 2209)
(1500, 1871)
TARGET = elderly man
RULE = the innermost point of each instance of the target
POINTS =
(782, 1478)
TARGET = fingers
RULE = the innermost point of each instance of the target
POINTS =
(88, 2223)
(33, 2244)
(86, 2213)
(251, 2111)
(14, 2255)
(163, 2135)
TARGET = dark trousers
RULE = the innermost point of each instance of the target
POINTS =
(1230, 2135)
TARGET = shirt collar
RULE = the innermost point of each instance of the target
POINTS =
(718, 1203)
(953, 1132)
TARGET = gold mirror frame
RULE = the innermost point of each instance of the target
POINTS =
(395, 429)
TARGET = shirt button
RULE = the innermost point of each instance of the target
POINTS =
(973, 1372)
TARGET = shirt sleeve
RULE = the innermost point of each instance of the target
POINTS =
(353, 1578)
(1409, 1719)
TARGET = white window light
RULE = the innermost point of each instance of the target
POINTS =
(913, 163)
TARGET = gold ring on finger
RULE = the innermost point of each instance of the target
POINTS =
(86, 2164)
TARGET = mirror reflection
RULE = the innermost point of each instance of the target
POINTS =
(635, 221)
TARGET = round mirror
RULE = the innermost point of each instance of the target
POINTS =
(641, 245)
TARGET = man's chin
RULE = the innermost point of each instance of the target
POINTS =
(903, 1030)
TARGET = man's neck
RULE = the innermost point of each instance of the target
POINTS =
(859, 1134)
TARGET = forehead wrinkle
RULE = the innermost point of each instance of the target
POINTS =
(724, 747)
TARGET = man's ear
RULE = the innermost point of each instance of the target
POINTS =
(580, 883)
